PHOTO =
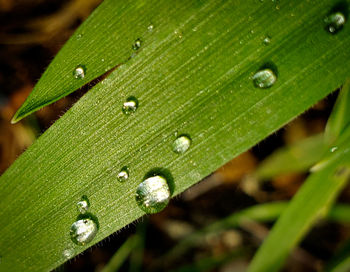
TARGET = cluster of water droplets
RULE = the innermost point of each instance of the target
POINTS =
(85, 228)
(153, 193)
(335, 22)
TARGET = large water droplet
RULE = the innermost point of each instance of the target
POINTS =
(130, 105)
(264, 78)
(123, 175)
(181, 144)
(83, 205)
(83, 230)
(137, 44)
(79, 72)
(152, 195)
(335, 22)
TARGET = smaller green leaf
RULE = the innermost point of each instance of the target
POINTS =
(340, 116)
(266, 212)
(312, 202)
(294, 158)
(121, 255)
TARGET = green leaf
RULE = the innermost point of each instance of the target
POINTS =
(311, 203)
(192, 75)
(121, 255)
(340, 116)
(266, 212)
(297, 157)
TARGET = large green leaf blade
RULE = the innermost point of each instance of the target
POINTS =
(340, 116)
(192, 76)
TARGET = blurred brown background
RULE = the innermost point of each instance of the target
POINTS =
(31, 33)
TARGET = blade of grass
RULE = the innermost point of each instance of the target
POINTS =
(121, 255)
(261, 213)
(340, 116)
(192, 75)
(294, 158)
(136, 257)
(311, 203)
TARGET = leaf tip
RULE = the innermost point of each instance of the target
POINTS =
(18, 116)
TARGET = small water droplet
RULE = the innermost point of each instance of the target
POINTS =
(102, 60)
(264, 78)
(267, 40)
(83, 230)
(83, 205)
(181, 144)
(178, 33)
(79, 36)
(335, 22)
(123, 175)
(137, 44)
(130, 105)
(333, 149)
(79, 72)
(68, 253)
(152, 195)
(150, 27)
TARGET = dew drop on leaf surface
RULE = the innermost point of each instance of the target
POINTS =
(153, 194)
(335, 22)
(83, 205)
(68, 253)
(137, 44)
(181, 144)
(79, 72)
(267, 40)
(264, 78)
(130, 105)
(123, 175)
(83, 231)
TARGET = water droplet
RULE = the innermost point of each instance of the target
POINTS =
(137, 44)
(267, 40)
(264, 78)
(150, 27)
(130, 105)
(123, 175)
(333, 149)
(79, 36)
(68, 253)
(83, 205)
(83, 230)
(181, 144)
(79, 72)
(335, 22)
(178, 33)
(152, 195)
